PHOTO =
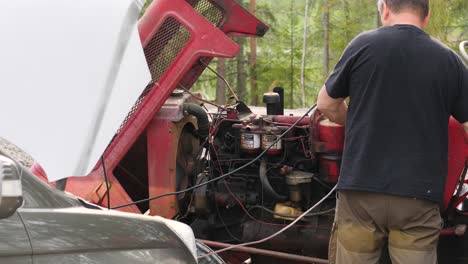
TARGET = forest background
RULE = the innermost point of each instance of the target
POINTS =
(305, 40)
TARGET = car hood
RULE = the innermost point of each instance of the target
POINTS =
(78, 229)
(71, 70)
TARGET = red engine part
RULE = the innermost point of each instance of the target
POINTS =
(267, 141)
(170, 150)
(289, 120)
(332, 135)
(330, 167)
(325, 136)
(457, 160)
(327, 140)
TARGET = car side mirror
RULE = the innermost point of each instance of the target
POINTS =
(11, 192)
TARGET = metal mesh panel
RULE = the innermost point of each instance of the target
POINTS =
(135, 106)
(209, 10)
(160, 52)
(214, 14)
(166, 44)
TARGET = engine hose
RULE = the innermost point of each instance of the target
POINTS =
(266, 184)
(202, 118)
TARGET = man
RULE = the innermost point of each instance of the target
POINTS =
(403, 85)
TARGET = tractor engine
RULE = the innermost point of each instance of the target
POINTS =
(296, 171)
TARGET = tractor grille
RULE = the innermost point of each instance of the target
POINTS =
(163, 49)
(160, 52)
(209, 10)
(168, 42)
(135, 107)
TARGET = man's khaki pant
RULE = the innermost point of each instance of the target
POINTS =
(364, 221)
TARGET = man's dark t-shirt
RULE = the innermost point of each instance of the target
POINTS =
(403, 86)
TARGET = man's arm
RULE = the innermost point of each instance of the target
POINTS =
(334, 109)
(465, 125)
(331, 99)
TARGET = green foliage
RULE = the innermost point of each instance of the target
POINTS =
(147, 3)
(280, 51)
(449, 21)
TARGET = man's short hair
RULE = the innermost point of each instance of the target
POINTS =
(420, 6)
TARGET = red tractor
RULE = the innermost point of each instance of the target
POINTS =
(169, 143)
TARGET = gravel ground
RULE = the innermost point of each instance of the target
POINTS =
(16, 153)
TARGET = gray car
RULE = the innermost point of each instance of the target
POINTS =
(51, 226)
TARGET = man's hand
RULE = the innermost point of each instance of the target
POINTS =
(334, 109)
(465, 125)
